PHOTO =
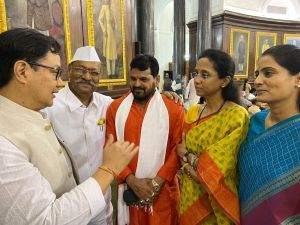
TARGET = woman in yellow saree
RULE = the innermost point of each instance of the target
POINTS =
(213, 134)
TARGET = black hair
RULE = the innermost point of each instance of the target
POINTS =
(253, 101)
(144, 62)
(224, 65)
(201, 100)
(244, 85)
(252, 90)
(287, 56)
(22, 44)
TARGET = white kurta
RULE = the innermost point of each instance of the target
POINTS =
(190, 94)
(36, 181)
(77, 127)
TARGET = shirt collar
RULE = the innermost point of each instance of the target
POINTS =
(74, 103)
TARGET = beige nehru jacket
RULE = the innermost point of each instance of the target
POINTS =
(33, 135)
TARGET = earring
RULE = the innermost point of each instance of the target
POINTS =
(222, 86)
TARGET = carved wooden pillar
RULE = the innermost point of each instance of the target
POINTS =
(203, 27)
(192, 44)
(144, 23)
(179, 38)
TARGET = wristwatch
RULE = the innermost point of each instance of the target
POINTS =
(185, 156)
(155, 185)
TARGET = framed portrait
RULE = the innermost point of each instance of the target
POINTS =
(239, 51)
(293, 39)
(263, 42)
(49, 17)
(106, 32)
(3, 25)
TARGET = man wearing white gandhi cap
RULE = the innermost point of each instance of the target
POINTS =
(78, 117)
(86, 53)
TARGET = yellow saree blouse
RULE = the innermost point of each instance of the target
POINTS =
(215, 140)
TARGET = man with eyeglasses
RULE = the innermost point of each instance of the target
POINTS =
(56, 70)
(78, 117)
(37, 185)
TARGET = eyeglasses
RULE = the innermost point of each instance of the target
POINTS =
(203, 75)
(58, 71)
(83, 71)
(194, 73)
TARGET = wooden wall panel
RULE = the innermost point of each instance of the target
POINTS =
(217, 37)
(192, 44)
(221, 25)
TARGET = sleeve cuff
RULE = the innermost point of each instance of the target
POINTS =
(94, 195)
(122, 177)
(165, 176)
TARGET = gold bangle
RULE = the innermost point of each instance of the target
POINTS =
(195, 164)
(185, 170)
(108, 170)
(193, 159)
(184, 165)
(188, 173)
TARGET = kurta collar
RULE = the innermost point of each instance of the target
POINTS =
(10, 105)
(73, 102)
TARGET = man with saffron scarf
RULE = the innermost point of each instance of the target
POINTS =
(154, 123)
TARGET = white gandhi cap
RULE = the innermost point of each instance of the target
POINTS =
(86, 53)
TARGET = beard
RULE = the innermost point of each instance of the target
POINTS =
(141, 94)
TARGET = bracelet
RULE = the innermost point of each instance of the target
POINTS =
(193, 159)
(188, 173)
(155, 186)
(195, 164)
(185, 170)
(106, 169)
(184, 165)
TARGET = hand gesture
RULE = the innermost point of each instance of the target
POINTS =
(117, 155)
(173, 96)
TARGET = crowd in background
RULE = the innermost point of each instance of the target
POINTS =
(61, 149)
(184, 86)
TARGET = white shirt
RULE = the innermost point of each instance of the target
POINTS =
(77, 127)
(250, 96)
(26, 196)
(175, 86)
(190, 93)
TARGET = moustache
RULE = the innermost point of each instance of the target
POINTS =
(89, 82)
(137, 88)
